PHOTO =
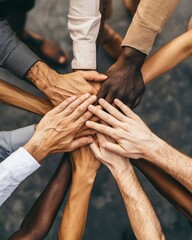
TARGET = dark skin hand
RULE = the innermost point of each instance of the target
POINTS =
(125, 80)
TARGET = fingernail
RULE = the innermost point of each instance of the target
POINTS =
(94, 97)
(73, 97)
(88, 123)
(103, 145)
(91, 107)
(87, 95)
(104, 76)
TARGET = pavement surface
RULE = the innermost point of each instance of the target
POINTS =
(166, 107)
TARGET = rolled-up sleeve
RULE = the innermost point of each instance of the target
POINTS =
(10, 141)
(14, 54)
(13, 170)
(83, 23)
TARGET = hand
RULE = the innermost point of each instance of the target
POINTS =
(125, 80)
(59, 87)
(134, 138)
(113, 161)
(84, 164)
(57, 129)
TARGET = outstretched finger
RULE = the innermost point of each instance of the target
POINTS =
(87, 132)
(95, 150)
(112, 110)
(103, 115)
(94, 76)
(126, 110)
(81, 114)
(115, 148)
(101, 128)
(80, 142)
(62, 106)
(73, 106)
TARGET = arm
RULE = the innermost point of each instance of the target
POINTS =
(19, 59)
(168, 187)
(75, 213)
(168, 57)
(58, 87)
(142, 217)
(13, 170)
(10, 141)
(125, 80)
(137, 141)
(40, 218)
(15, 55)
(14, 96)
(83, 24)
(55, 133)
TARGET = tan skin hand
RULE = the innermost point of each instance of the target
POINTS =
(84, 163)
(57, 129)
(59, 87)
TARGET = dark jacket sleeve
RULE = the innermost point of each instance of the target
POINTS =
(14, 54)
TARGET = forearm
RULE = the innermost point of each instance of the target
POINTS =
(143, 219)
(168, 57)
(15, 55)
(148, 21)
(83, 24)
(172, 190)
(40, 218)
(17, 97)
(172, 161)
(76, 209)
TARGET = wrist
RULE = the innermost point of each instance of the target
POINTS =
(35, 149)
(132, 56)
(39, 74)
(119, 169)
(84, 180)
(155, 149)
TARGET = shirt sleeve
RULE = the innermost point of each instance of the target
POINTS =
(13, 170)
(83, 23)
(148, 21)
(15, 55)
(10, 141)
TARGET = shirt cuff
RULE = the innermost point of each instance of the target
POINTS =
(20, 164)
(84, 55)
(20, 59)
(21, 136)
(140, 37)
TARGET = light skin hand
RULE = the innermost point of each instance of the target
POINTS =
(125, 80)
(135, 140)
(128, 130)
(108, 158)
(57, 129)
(140, 212)
(59, 87)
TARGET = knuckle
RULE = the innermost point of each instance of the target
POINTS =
(80, 110)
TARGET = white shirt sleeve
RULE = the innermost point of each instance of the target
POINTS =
(83, 23)
(13, 170)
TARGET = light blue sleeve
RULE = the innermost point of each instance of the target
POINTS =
(10, 141)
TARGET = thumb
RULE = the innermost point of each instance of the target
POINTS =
(80, 142)
(94, 76)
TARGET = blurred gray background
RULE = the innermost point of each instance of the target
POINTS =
(166, 107)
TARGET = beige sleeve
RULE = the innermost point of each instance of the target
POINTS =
(148, 21)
